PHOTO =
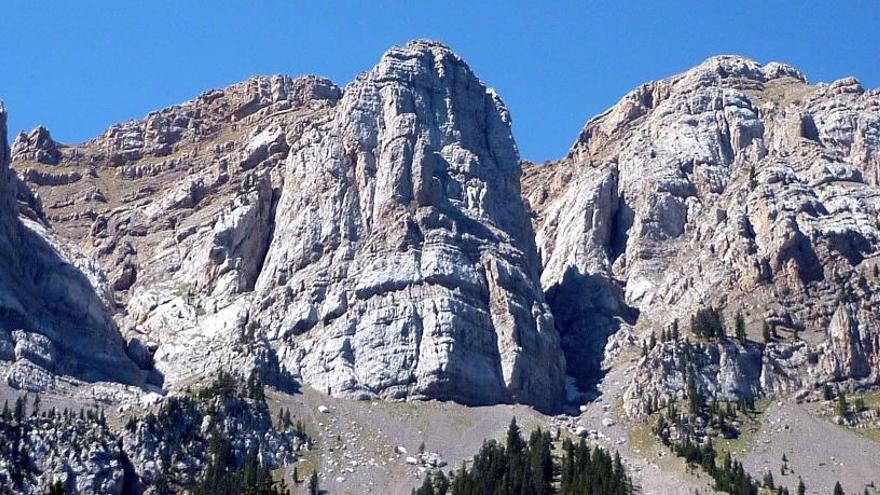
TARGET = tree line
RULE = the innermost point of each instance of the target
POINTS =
(520, 467)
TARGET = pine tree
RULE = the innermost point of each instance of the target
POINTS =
(842, 405)
(529, 468)
(801, 488)
(838, 490)
(427, 487)
(19, 412)
(314, 488)
(56, 488)
(859, 404)
(441, 483)
(827, 394)
(707, 323)
(695, 399)
(739, 324)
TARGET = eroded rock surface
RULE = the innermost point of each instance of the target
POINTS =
(735, 185)
(371, 241)
(55, 303)
(370, 244)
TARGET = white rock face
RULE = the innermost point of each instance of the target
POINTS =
(54, 302)
(735, 185)
(370, 245)
(401, 224)
(373, 242)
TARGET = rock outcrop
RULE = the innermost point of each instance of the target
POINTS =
(725, 371)
(55, 304)
(163, 448)
(370, 244)
(735, 185)
(403, 262)
(37, 146)
(373, 242)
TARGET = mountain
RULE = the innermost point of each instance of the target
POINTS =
(709, 241)
(370, 242)
(733, 185)
(53, 301)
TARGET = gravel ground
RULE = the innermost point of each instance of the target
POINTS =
(653, 468)
(357, 441)
(819, 451)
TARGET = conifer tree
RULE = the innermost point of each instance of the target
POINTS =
(739, 324)
(56, 488)
(19, 412)
(859, 404)
(314, 488)
(842, 405)
(768, 480)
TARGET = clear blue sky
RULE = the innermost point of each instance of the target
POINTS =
(79, 66)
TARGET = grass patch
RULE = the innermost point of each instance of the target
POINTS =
(643, 442)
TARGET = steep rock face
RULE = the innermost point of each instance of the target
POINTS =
(38, 146)
(177, 210)
(726, 372)
(54, 302)
(403, 263)
(373, 244)
(735, 185)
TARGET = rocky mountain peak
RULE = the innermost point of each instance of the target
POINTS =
(734, 66)
(732, 185)
(711, 238)
(374, 242)
(369, 243)
(36, 145)
(709, 84)
(411, 231)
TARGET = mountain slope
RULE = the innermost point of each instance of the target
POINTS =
(732, 185)
(55, 306)
(371, 243)
(382, 241)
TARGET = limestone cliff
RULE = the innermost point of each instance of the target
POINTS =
(55, 304)
(736, 185)
(370, 243)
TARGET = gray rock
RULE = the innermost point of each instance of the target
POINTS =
(630, 224)
(55, 299)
